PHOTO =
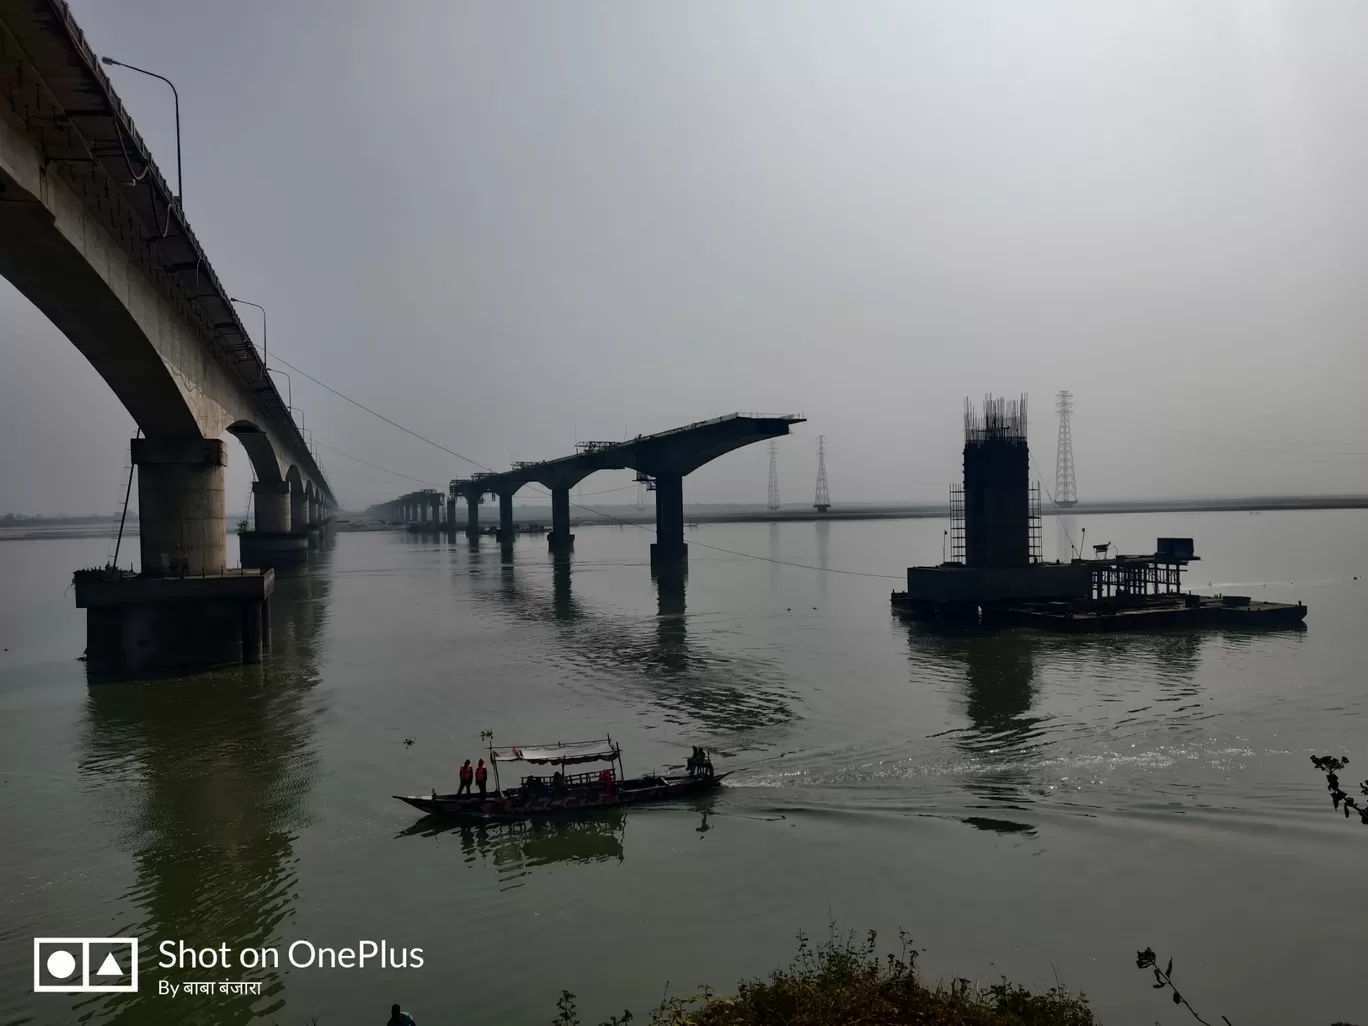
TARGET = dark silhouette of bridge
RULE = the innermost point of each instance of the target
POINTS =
(663, 460)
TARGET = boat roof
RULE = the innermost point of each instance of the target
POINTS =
(605, 750)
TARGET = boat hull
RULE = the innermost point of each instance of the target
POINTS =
(514, 805)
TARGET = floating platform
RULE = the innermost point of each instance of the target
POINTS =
(1138, 613)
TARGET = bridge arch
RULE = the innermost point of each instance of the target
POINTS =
(259, 450)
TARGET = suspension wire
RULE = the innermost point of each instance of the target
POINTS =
(588, 509)
(381, 416)
(376, 466)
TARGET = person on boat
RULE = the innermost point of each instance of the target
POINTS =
(481, 776)
(467, 775)
(399, 1018)
(607, 780)
(695, 763)
(557, 783)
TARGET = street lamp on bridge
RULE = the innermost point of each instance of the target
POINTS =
(152, 74)
(247, 302)
(289, 385)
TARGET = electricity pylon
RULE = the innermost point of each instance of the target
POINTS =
(822, 501)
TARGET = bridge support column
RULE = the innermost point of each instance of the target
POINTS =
(315, 523)
(473, 516)
(180, 505)
(506, 517)
(272, 545)
(669, 548)
(451, 513)
(299, 510)
(560, 539)
(186, 610)
(272, 506)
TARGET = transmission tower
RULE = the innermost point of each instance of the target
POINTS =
(773, 502)
(822, 502)
(1066, 488)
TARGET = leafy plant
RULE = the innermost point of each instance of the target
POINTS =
(1163, 978)
(1330, 766)
(844, 982)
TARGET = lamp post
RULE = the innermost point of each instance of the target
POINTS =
(180, 193)
(248, 302)
(289, 384)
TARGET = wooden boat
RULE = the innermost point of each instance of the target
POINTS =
(565, 793)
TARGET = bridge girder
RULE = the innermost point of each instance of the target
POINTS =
(93, 237)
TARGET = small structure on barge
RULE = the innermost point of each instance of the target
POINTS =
(996, 572)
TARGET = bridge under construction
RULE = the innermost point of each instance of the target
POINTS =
(661, 461)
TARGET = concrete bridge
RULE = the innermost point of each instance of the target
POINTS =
(93, 236)
(663, 460)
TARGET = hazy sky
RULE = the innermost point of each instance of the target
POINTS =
(508, 225)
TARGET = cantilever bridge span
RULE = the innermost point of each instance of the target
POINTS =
(663, 459)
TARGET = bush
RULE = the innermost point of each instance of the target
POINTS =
(843, 982)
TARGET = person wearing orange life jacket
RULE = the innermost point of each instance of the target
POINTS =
(467, 774)
(481, 776)
(606, 779)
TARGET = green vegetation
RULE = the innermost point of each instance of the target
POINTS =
(843, 982)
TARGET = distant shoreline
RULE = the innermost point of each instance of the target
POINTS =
(39, 529)
(717, 514)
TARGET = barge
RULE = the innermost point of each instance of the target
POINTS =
(995, 572)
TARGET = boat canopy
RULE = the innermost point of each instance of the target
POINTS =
(605, 750)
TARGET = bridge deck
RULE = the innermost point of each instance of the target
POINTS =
(680, 451)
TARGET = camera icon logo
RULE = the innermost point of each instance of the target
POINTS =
(85, 965)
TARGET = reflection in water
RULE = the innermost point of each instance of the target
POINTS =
(999, 690)
(518, 847)
(671, 652)
(823, 556)
(209, 779)
(724, 692)
(998, 679)
(563, 604)
(1001, 672)
(999, 826)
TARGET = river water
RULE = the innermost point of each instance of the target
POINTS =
(1021, 804)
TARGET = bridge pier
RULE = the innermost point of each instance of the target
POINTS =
(506, 517)
(473, 516)
(272, 500)
(185, 611)
(560, 539)
(180, 505)
(314, 530)
(273, 545)
(669, 548)
(299, 511)
(451, 513)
